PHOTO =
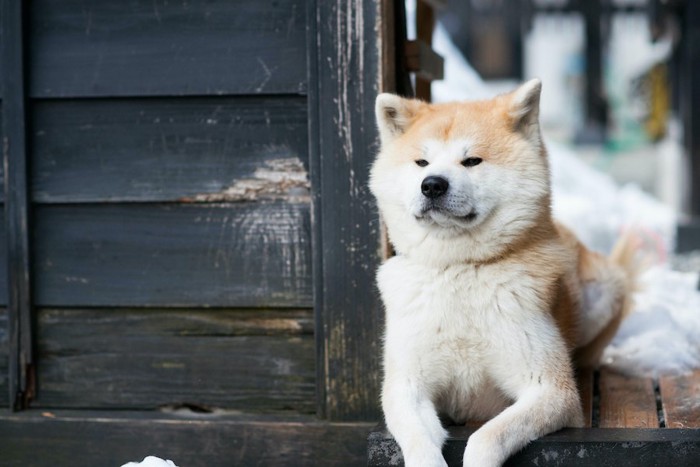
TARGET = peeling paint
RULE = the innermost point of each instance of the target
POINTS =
(279, 179)
(168, 365)
(81, 280)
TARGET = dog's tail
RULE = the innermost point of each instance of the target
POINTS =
(626, 255)
(624, 267)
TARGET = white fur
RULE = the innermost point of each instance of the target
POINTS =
(600, 299)
(501, 196)
(466, 336)
(468, 341)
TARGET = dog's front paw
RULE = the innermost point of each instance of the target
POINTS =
(483, 450)
(425, 459)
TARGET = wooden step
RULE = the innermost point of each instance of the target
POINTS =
(631, 421)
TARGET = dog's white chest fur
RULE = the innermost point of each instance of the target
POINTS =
(452, 327)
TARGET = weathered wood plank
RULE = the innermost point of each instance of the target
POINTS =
(2, 169)
(79, 439)
(425, 24)
(206, 149)
(688, 77)
(680, 398)
(584, 379)
(144, 359)
(584, 447)
(422, 60)
(17, 205)
(346, 235)
(4, 352)
(626, 402)
(230, 255)
(144, 47)
(3, 257)
(65, 324)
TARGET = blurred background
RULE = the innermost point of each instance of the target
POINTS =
(617, 77)
(620, 79)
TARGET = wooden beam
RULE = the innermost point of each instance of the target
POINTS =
(689, 75)
(680, 398)
(572, 447)
(256, 360)
(594, 93)
(425, 24)
(422, 60)
(14, 141)
(84, 438)
(346, 233)
(626, 402)
(436, 4)
(197, 48)
(220, 254)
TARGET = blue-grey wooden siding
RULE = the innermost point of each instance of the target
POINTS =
(170, 242)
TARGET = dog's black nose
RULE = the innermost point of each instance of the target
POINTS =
(434, 187)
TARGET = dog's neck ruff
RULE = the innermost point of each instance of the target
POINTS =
(476, 247)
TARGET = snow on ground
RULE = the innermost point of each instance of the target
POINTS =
(662, 335)
(151, 461)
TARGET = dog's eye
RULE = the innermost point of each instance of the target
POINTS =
(472, 161)
(421, 162)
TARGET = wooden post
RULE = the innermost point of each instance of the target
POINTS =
(596, 106)
(425, 24)
(14, 142)
(690, 97)
(345, 76)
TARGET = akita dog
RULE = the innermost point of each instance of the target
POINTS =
(489, 303)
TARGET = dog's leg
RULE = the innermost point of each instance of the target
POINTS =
(537, 375)
(412, 419)
(537, 412)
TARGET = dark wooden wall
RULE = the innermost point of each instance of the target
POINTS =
(187, 224)
(170, 235)
(198, 225)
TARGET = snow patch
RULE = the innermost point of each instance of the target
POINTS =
(151, 461)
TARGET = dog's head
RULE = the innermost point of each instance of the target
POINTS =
(463, 179)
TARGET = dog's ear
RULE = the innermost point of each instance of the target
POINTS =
(395, 115)
(524, 108)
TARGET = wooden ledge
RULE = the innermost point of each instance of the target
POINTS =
(47, 438)
(632, 422)
(570, 447)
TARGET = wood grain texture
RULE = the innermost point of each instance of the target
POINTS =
(3, 257)
(144, 359)
(144, 47)
(106, 150)
(4, 353)
(688, 88)
(680, 399)
(17, 205)
(2, 168)
(230, 255)
(346, 234)
(570, 447)
(626, 402)
(88, 439)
